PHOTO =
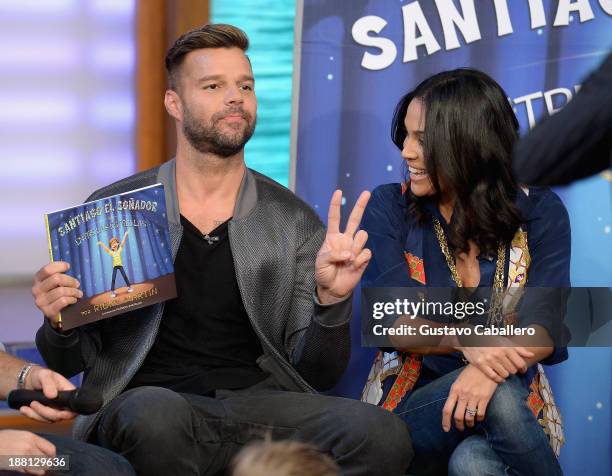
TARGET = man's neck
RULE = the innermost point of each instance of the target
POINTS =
(207, 187)
(202, 177)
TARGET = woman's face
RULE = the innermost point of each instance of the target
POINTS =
(412, 151)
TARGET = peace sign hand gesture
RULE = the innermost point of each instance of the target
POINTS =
(342, 258)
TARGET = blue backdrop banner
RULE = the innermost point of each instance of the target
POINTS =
(359, 58)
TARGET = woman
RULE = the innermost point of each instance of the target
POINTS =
(461, 220)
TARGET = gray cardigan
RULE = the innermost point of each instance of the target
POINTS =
(274, 238)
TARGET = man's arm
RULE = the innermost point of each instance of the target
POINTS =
(9, 372)
(322, 353)
(10, 367)
(66, 352)
(575, 142)
(36, 378)
(24, 443)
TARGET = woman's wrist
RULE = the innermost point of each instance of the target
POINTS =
(451, 341)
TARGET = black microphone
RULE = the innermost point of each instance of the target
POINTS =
(79, 401)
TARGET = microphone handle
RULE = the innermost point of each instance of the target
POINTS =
(18, 398)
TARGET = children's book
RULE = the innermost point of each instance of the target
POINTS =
(118, 249)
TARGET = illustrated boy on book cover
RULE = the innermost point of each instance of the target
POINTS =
(79, 236)
(115, 253)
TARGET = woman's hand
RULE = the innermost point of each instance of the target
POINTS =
(468, 398)
(498, 363)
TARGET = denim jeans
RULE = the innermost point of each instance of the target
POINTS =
(86, 459)
(509, 441)
(125, 278)
(162, 432)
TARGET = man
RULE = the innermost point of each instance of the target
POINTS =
(264, 300)
(83, 458)
(574, 143)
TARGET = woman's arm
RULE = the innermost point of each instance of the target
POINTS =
(550, 251)
(535, 344)
(424, 345)
(498, 363)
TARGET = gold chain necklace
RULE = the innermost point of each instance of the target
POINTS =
(495, 314)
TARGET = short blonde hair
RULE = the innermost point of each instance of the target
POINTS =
(282, 458)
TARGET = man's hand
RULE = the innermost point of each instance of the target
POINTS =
(498, 363)
(53, 290)
(50, 383)
(342, 258)
(468, 397)
(24, 443)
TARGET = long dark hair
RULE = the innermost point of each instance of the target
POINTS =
(470, 130)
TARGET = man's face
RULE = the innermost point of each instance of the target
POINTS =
(216, 88)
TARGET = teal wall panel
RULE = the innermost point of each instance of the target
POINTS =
(269, 25)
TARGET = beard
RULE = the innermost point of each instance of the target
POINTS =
(213, 137)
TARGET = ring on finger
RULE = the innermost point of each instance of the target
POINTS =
(471, 411)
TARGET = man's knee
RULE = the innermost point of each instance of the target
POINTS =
(383, 435)
(153, 428)
(146, 415)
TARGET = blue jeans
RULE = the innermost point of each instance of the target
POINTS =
(509, 441)
(125, 278)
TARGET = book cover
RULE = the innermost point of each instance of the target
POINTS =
(119, 249)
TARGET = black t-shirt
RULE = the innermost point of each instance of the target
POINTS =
(205, 340)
